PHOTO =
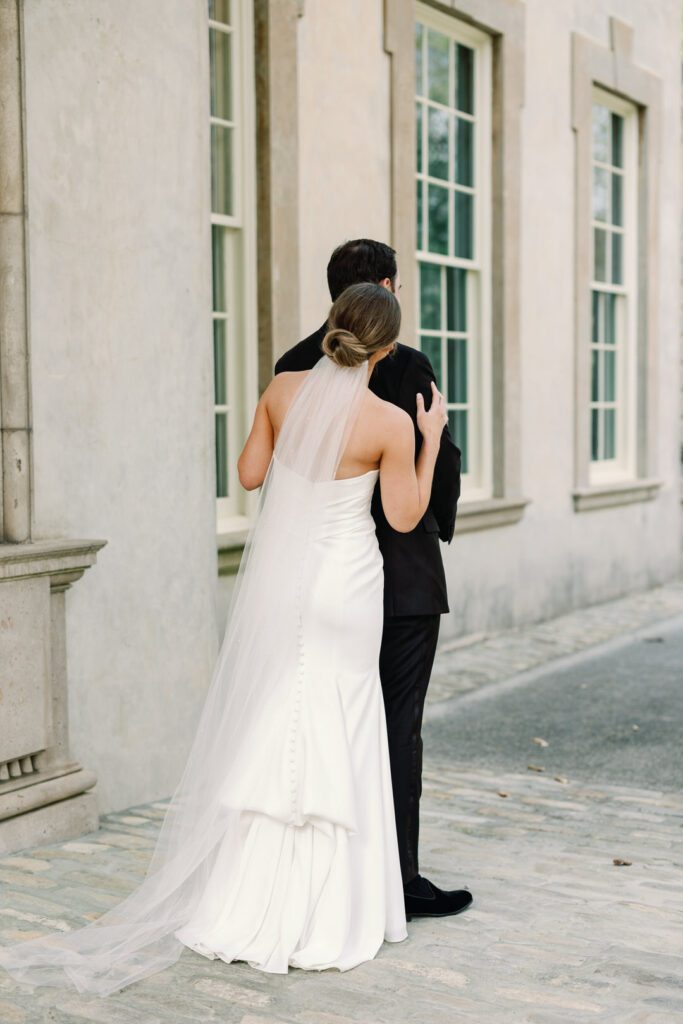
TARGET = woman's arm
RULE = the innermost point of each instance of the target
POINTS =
(253, 463)
(406, 485)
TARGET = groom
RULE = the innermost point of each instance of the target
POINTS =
(414, 581)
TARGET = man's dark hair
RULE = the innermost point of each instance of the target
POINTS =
(360, 260)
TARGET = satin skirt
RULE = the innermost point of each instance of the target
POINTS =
(312, 879)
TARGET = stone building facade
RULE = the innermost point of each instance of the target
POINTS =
(172, 183)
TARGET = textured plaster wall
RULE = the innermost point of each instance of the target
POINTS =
(117, 143)
(344, 169)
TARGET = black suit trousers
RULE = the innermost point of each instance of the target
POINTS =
(405, 665)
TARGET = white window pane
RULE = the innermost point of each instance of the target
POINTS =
(464, 152)
(456, 299)
(617, 259)
(221, 74)
(221, 170)
(219, 10)
(601, 133)
(464, 224)
(595, 433)
(610, 433)
(456, 390)
(430, 297)
(437, 66)
(599, 254)
(601, 179)
(610, 308)
(419, 68)
(419, 114)
(222, 475)
(617, 199)
(432, 349)
(220, 361)
(437, 143)
(438, 219)
(219, 267)
(609, 375)
(458, 423)
(617, 140)
(464, 78)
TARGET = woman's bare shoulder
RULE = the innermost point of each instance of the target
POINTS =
(387, 416)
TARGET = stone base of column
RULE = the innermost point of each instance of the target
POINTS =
(53, 823)
(45, 795)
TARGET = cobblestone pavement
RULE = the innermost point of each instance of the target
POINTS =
(558, 933)
(471, 662)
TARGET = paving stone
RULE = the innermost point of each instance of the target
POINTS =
(557, 933)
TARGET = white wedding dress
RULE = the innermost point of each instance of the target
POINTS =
(316, 881)
(279, 846)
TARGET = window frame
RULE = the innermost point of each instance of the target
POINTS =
(623, 465)
(239, 239)
(477, 482)
(613, 69)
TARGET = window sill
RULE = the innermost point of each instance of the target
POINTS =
(607, 495)
(489, 513)
(231, 536)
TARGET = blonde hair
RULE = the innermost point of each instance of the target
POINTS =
(364, 319)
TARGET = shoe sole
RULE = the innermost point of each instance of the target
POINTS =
(449, 913)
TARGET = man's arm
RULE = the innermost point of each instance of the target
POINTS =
(418, 377)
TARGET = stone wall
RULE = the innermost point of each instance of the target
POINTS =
(117, 147)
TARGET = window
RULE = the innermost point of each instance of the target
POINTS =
(613, 285)
(232, 243)
(453, 130)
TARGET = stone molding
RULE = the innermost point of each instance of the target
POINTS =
(277, 194)
(489, 513)
(37, 772)
(15, 399)
(608, 495)
(613, 69)
(64, 561)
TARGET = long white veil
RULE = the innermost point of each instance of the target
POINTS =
(223, 776)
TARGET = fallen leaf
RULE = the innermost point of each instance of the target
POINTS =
(541, 742)
(535, 768)
(500, 793)
(618, 862)
(561, 778)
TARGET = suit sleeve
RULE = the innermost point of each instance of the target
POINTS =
(446, 484)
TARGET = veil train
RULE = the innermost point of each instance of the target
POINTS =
(223, 776)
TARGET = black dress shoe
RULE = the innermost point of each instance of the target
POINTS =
(424, 899)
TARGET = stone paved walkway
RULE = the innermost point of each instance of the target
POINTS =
(471, 662)
(558, 933)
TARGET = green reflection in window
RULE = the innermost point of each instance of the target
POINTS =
(438, 219)
(222, 455)
(437, 66)
(430, 296)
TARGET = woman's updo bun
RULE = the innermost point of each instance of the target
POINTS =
(344, 348)
(364, 319)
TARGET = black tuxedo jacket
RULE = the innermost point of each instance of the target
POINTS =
(414, 580)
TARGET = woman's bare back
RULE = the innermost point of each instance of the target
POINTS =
(365, 445)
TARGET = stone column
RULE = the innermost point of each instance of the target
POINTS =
(15, 508)
(44, 794)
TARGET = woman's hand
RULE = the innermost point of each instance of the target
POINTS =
(431, 424)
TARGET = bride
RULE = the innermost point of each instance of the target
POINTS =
(279, 845)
